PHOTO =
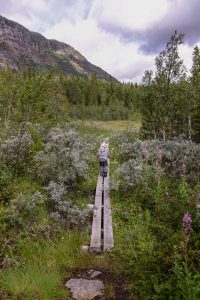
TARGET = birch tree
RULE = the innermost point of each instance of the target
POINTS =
(169, 71)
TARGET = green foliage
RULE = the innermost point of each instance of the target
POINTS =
(176, 158)
(5, 179)
(42, 267)
(98, 100)
(24, 210)
(16, 151)
(182, 284)
(44, 181)
(48, 98)
(62, 210)
(65, 157)
(31, 282)
(29, 98)
(155, 256)
(195, 78)
(196, 122)
(195, 81)
(170, 101)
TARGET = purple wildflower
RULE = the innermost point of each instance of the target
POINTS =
(187, 220)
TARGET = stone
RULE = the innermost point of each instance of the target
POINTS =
(83, 289)
(85, 248)
(95, 274)
(91, 206)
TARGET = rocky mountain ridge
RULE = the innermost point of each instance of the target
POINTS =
(21, 48)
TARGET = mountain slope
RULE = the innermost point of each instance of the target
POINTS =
(21, 48)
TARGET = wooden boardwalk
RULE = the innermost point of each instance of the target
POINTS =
(108, 241)
(102, 230)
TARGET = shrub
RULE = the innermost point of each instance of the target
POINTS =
(5, 179)
(64, 159)
(158, 184)
(175, 158)
(61, 209)
(16, 151)
(24, 210)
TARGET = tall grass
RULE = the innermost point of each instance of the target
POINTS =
(32, 282)
(43, 265)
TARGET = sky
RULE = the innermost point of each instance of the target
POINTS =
(123, 37)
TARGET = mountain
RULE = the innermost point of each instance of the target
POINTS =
(21, 48)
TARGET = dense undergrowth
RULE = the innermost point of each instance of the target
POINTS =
(156, 217)
(48, 176)
(45, 188)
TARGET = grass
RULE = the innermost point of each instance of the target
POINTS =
(23, 185)
(116, 125)
(109, 291)
(43, 266)
(31, 281)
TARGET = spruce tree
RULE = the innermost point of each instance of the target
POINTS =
(195, 81)
(148, 107)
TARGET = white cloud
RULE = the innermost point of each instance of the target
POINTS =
(130, 14)
(97, 28)
(185, 53)
(102, 48)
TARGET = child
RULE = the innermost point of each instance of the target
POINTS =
(103, 155)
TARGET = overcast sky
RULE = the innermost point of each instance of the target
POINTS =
(121, 36)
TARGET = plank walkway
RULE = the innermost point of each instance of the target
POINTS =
(108, 241)
(95, 243)
(102, 230)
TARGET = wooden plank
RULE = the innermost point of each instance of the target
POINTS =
(108, 240)
(95, 243)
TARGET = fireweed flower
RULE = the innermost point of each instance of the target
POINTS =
(187, 220)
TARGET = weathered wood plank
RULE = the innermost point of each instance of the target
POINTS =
(95, 243)
(108, 240)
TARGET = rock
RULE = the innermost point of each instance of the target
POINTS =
(94, 273)
(85, 248)
(91, 206)
(83, 289)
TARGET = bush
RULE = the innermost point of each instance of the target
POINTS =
(175, 158)
(61, 209)
(24, 210)
(65, 157)
(16, 152)
(158, 185)
(5, 179)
